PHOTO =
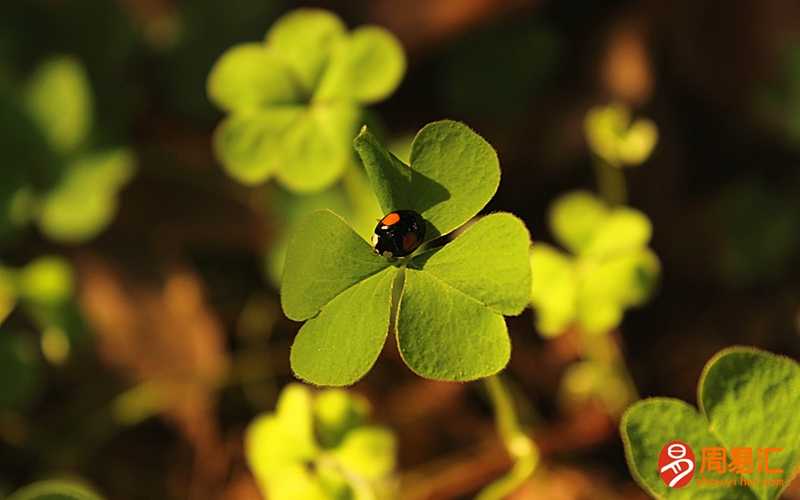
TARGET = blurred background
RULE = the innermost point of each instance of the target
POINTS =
(141, 327)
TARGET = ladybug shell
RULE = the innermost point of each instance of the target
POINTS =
(398, 233)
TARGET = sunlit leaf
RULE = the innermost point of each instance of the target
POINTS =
(85, 200)
(453, 173)
(305, 38)
(734, 382)
(249, 76)
(339, 346)
(444, 334)
(60, 100)
(366, 67)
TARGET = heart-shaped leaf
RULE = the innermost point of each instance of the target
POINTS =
(445, 334)
(340, 345)
(249, 76)
(749, 403)
(497, 246)
(305, 38)
(453, 173)
(365, 67)
(325, 258)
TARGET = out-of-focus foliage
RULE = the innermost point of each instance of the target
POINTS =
(615, 138)
(20, 370)
(44, 291)
(295, 100)
(56, 177)
(734, 382)
(319, 446)
(334, 280)
(608, 268)
(496, 73)
(55, 489)
(758, 232)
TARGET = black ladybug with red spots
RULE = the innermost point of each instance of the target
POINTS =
(398, 234)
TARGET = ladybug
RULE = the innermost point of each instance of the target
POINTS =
(398, 234)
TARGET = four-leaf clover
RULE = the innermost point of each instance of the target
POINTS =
(611, 269)
(446, 303)
(295, 100)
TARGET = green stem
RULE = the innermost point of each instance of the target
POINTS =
(520, 447)
(610, 182)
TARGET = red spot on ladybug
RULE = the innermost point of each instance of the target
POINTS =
(391, 219)
(398, 234)
(410, 241)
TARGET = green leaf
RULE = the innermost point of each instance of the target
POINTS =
(454, 172)
(649, 425)
(753, 397)
(624, 229)
(369, 452)
(367, 66)
(250, 76)
(60, 100)
(315, 150)
(749, 399)
(489, 262)
(274, 442)
(249, 143)
(304, 38)
(85, 200)
(339, 346)
(554, 289)
(444, 334)
(47, 280)
(336, 413)
(574, 218)
(325, 258)
(614, 138)
(55, 490)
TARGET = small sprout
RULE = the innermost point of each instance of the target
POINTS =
(617, 140)
(447, 303)
(319, 446)
(748, 402)
(610, 269)
(295, 100)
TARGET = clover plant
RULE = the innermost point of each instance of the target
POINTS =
(43, 289)
(748, 402)
(55, 489)
(446, 303)
(609, 267)
(319, 446)
(617, 139)
(294, 102)
(66, 186)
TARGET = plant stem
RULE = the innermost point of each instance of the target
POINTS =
(520, 447)
(610, 182)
